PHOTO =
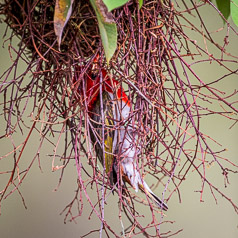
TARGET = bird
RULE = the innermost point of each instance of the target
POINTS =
(110, 118)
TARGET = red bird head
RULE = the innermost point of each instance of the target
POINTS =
(93, 77)
(96, 76)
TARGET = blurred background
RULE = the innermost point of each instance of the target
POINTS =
(45, 201)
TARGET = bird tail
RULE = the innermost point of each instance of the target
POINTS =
(145, 188)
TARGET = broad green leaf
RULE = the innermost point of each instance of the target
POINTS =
(63, 11)
(234, 11)
(224, 7)
(112, 4)
(107, 27)
(140, 3)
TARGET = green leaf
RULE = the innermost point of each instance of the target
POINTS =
(224, 7)
(234, 11)
(63, 11)
(112, 4)
(140, 3)
(107, 27)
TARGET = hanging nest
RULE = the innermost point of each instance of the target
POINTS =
(137, 62)
(34, 25)
(151, 62)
